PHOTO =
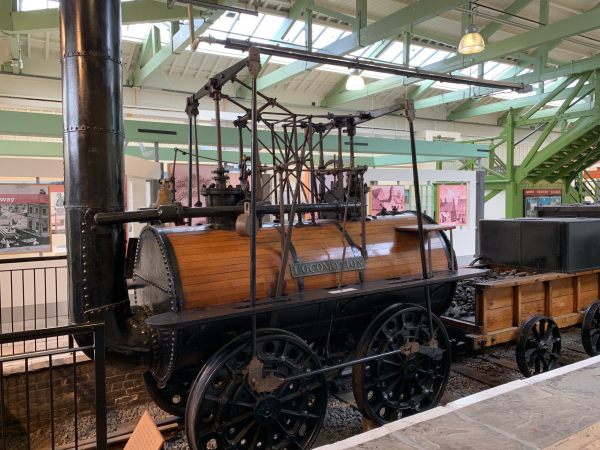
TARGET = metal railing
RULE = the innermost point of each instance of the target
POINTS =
(42, 407)
(33, 295)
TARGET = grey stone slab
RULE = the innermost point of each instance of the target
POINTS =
(449, 432)
(532, 414)
(581, 386)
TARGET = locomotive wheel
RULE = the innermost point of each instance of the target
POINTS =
(173, 397)
(538, 345)
(590, 329)
(225, 412)
(402, 384)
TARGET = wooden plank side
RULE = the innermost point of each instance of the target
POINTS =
(589, 283)
(498, 319)
(533, 292)
(498, 298)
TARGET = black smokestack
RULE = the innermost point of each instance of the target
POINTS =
(93, 153)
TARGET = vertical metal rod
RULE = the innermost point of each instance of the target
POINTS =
(255, 184)
(100, 376)
(413, 153)
(74, 354)
(190, 163)
(197, 151)
(2, 409)
(51, 390)
(363, 216)
(27, 407)
(339, 176)
(321, 167)
(313, 180)
(274, 161)
(218, 127)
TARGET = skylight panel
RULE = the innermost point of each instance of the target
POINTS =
(328, 36)
(137, 32)
(421, 57)
(392, 52)
(269, 26)
(246, 24)
(296, 31)
(438, 56)
(33, 5)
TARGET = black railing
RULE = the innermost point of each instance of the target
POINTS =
(33, 295)
(46, 393)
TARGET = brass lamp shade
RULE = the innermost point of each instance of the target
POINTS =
(472, 42)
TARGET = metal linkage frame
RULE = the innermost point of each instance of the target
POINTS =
(290, 169)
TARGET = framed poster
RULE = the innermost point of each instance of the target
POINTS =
(57, 208)
(452, 204)
(24, 218)
(388, 197)
(540, 197)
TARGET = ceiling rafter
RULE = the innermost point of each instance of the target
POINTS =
(391, 25)
(530, 39)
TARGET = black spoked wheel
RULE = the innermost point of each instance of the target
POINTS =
(590, 329)
(225, 412)
(404, 383)
(538, 346)
(173, 397)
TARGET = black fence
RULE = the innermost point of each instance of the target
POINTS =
(33, 295)
(46, 394)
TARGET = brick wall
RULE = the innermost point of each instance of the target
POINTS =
(124, 388)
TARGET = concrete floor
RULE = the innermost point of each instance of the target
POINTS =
(525, 414)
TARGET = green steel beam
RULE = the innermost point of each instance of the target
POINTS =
(511, 9)
(391, 25)
(18, 123)
(582, 127)
(150, 47)
(139, 11)
(362, 15)
(6, 11)
(573, 154)
(501, 106)
(178, 43)
(534, 38)
(567, 69)
(24, 149)
(575, 112)
(373, 53)
(333, 14)
(509, 73)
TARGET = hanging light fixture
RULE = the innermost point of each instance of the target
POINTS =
(472, 42)
(355, 82)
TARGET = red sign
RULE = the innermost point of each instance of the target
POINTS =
(19, 199)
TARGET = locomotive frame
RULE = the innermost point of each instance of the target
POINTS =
(264, 386)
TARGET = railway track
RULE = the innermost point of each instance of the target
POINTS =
(470, 373)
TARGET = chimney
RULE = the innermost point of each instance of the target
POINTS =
(90, 38)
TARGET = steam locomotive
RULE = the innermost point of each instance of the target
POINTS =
(243, 322)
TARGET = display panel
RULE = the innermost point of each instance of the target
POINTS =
(24, 218)
(452, 204)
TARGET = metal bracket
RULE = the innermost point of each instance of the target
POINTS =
(256, 379)
(254, 61)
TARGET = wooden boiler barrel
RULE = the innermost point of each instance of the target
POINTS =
(193, 267)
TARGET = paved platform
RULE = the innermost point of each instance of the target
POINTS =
(534, 413)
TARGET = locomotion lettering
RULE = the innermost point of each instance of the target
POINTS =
(331, 266)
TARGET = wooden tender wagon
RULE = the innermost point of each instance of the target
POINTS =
(531, 310)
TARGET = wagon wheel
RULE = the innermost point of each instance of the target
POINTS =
(173, 397)
(538, 346)
(404, 383)
(590, 329)
(225, 412)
